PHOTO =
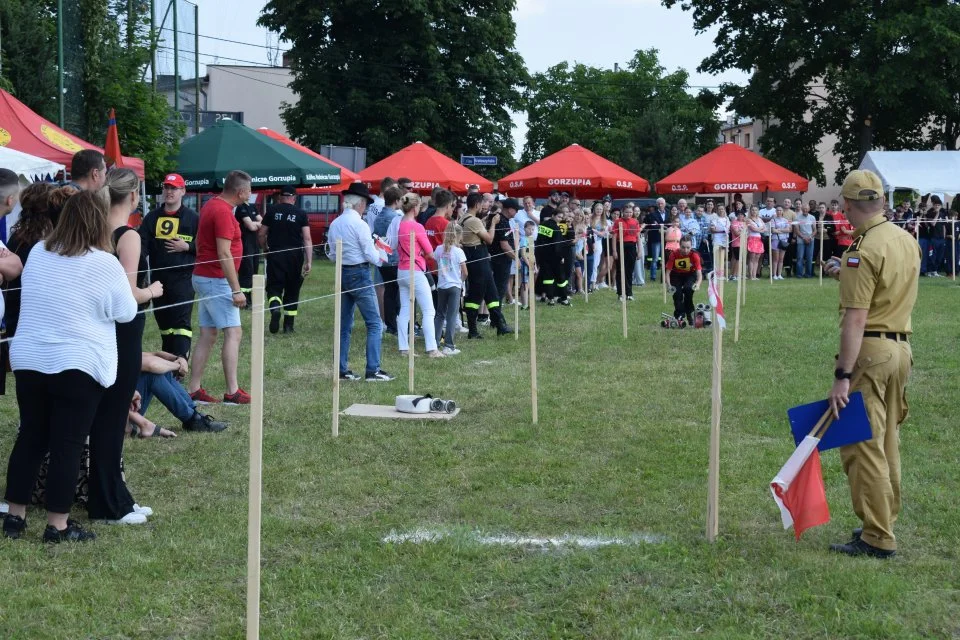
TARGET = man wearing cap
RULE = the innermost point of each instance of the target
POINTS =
(169, 238)
(502, 249)
(359, 252)
(289, 257)
(878, 288)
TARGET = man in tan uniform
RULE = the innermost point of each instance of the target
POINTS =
(878, 276)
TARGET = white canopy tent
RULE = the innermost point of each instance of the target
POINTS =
(30, 169)
(923, 171)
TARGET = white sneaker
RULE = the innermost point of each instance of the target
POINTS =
(4, 507)
(147, 511)
(450, 351)
(131, 518)
(463, 330)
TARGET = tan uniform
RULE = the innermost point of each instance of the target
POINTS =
(879, 272)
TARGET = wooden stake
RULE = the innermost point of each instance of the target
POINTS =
(413, 291)
(713, 483)
(623, 283)
(770, 249)
(609, 262)
(663, 261)
(823, 231)
(532, 268)
(953, 248)
(585, 278)
(516, 285)
(741, 286)
(337, 306)
(256, 459)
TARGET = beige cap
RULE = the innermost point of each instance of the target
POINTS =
(862, 184)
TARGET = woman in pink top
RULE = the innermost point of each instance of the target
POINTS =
(410, 206)
(736, 234)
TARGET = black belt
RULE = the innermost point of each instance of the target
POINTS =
(356, 266)
(889, 335)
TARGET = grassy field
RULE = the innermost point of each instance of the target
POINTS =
(620, 452)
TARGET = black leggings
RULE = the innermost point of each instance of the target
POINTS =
(683, 295)
(629, 262)
(56, 413)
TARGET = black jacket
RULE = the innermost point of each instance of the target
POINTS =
(157, 228)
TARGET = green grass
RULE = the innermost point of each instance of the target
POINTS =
(621, 449)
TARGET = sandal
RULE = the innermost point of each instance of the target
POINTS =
(158, 432)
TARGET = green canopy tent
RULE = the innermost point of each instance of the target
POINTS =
(206, 158)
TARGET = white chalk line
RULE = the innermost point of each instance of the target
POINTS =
(430, 536)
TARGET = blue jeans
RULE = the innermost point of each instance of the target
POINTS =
(653, 254)
(939, 247)
(804, 259)
(925, 248)
(168, 391)
(358, 293)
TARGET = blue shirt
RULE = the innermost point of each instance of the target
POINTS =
(380, 227)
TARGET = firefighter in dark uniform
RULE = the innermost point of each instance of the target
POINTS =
(548, 210)
(568, 249)
(250, 221)
(168, 236)
(502, 248)
(878, 276)
(549, 254)
(289, 257)
(480, 284)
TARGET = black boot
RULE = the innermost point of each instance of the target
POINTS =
(501, 323)
(288, 324)
(472, 325)
(275, 311)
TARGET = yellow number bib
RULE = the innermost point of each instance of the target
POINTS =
(683, 263)
(167, 227)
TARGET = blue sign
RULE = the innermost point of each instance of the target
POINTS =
(478, 161)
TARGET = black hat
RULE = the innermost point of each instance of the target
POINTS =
(936, 200)
(288, 190)
(359, 189)
(554, 192)
(565, 194)
(511, 203)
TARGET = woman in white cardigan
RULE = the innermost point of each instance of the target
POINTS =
(63, 358)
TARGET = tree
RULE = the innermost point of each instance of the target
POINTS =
(639, 117)
(385, 74)
(27, 29)
(856, 69)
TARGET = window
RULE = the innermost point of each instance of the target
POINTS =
(747, 140)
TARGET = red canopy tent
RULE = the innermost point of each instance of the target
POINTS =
(347, 177)
(23, 130)
(731, 169)
(577, 170)
(427, 168)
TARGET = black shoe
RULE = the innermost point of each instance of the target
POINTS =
(504, 330)
(858, 547)
(203, 424)
(690, 319)
(566, 302)
(274, 316)
(73, 533)
(379, 376)
(474, 335)
(349, 376)
(288, 329)
(13, 526)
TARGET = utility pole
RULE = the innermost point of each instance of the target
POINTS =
(196, 67)
(60, 96)
(176, 60)
(131, 24)
(153, 45)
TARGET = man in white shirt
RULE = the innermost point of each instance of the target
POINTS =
(528, 212)
(767, 213)
(359, 253)
(804, 227)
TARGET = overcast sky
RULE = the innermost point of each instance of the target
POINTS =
(598, 33)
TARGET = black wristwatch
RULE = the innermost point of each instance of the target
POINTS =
(840, 374)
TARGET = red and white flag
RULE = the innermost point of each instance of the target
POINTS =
(381, 244)
(799, 491)
(715, 301)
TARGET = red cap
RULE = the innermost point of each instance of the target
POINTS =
(174, 180)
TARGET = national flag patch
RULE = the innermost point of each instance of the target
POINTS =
(853, 263)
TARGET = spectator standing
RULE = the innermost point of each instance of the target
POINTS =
(804, 228)
(502, 251)
(767, 214)
(388, 270)
(286, 231)
(359, 253)
(250, 222)
(654, 222)
(719, 229)
(780, 239)
(673, 236)
(629, 228)
(755, 229)
(60, 384)
(737, 252)
(933, 233)
(169, 237)
(843, 232)
(219, 248)
(451, 272)
(410, 228)
(88, 170)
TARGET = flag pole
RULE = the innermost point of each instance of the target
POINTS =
(713, 482)
(623, 282)
(770, 250)
(337, 303)
(531, 260)
(413, 314)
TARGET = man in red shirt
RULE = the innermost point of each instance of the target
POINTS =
(219, 249)
(843, 232)
(437, 223)
(684, 273)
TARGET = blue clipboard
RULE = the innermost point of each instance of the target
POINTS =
(852, 427)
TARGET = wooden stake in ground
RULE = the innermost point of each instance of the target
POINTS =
(256, 459)
(585, 278)
(623, 283)
(713, 483)
(823, 232)
(337, 305)
(770, 249)
(516, 285)
(953, 248)
(532, 269)
(663, 262)
(741, 285)
(413, 315)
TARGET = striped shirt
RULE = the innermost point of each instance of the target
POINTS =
(68, 314)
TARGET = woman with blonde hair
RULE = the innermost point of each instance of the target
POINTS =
(451, 272)
(64, 368)
(409, 227)
(755, 230)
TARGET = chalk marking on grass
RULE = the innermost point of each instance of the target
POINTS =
(422, 536)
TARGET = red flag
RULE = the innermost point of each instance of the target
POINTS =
(798, 489)
(713, 293)
(111, 150)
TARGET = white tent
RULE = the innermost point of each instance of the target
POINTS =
(923, 171)
(30, 167)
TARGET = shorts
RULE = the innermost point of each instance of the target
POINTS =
(218, 311)
(755, 245)
(578, 264)
(734, 253)
(377, 277)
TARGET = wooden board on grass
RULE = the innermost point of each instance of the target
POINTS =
(386, 411)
